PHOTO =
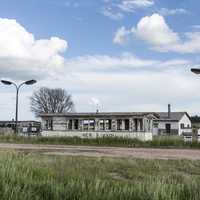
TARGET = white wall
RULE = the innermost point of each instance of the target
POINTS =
(174, 125)
(187, 123)
(59, 123)
(143, 136)
(162, 126)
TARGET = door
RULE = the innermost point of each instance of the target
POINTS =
(168, 128)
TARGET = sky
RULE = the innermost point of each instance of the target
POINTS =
(111, 55)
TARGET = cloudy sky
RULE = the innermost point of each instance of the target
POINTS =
(114, 55)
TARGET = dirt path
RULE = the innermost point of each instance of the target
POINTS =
(148, 153)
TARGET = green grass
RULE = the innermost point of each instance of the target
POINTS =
(35, 176)
(158, 142)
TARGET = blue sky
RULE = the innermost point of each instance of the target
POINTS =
(124, 55)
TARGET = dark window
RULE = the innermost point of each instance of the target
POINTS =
(182, 126)
(136, 124)
(76, 124)
(49, 124)
(127, 124)
(109, 124)
(70, 124)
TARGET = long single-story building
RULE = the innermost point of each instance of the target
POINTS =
(99, 124)
(142, 125)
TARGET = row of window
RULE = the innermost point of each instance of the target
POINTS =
(104, 124)
(183, 126)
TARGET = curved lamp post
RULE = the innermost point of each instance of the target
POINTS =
(5, 82)
(195, 70)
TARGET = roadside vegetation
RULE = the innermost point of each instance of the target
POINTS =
(158, 141)
(36, 176)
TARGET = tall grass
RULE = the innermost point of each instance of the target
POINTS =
(31, 176)
(158, 141)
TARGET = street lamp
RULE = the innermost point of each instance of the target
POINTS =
(195, 70)
(5, 82)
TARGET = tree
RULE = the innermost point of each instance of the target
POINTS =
(46, 100)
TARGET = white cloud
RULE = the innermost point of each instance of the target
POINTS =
(116, 9)
(122, 35)
(108, 12)
(197, 26)
(130, 86)
(71, 4)
(176, 11)
(119, 83)
(131, 5)
(155, 31)
(21, 55)
(105, 63)
(95, 101)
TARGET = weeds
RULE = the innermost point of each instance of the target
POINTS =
(157, 142)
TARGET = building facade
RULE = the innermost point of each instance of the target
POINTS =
(130, 124)
(173, 123)
(24, 127)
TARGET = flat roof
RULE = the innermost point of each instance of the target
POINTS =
(100, 114)
(7, 121)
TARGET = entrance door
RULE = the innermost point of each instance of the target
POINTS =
(168, 128)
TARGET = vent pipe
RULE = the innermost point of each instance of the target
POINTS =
(169, 111)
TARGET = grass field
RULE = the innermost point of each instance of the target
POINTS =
(158, 142)
(34, 176)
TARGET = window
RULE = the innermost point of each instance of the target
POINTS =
(91, 125)
(102, 125)
(127, 125)
(182, 125)
(119, 124)
(107, 124)
(33, 129)
(155, 125)
(88, 125)
(49, 124)
(76, 124)
(70, 125)
(85, 125)
(24, 129)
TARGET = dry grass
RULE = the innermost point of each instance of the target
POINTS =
(33, 176)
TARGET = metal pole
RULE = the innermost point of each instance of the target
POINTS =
(17, 106)
(16, 112)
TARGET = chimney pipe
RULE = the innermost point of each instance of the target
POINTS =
(169, 111)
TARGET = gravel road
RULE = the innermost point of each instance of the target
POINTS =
(148, 153)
